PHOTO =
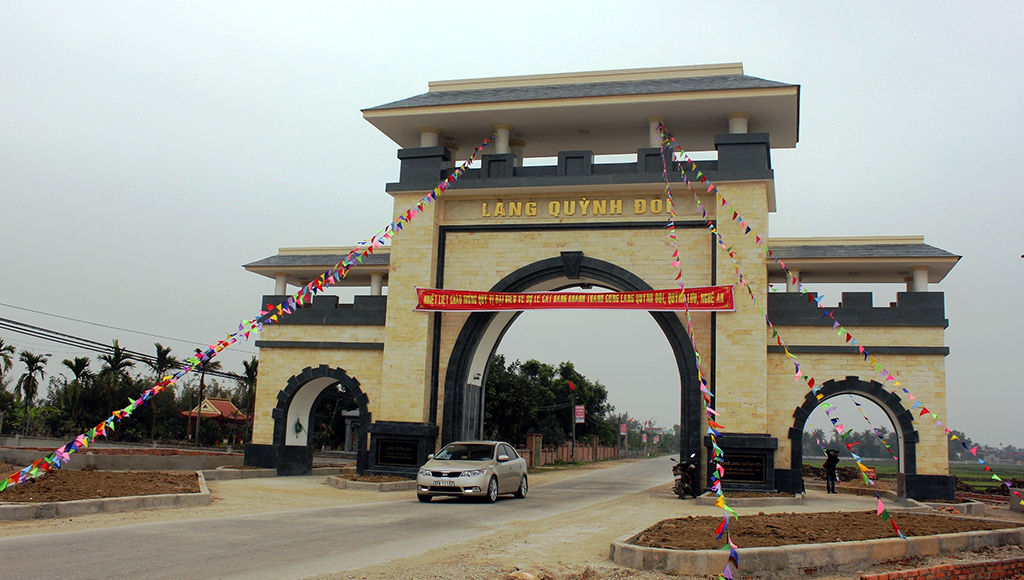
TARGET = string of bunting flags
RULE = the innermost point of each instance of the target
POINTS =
(669, 143)
(688, 163)
(714, 428)
(874, 429)
(60, 456)
(841, 331)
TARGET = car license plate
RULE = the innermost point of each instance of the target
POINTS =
(444, 482)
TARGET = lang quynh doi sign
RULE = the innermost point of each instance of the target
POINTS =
(397, 452)
(573, 207)
(746, 468)
(709, 298)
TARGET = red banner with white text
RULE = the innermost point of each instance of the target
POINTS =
(708, 299)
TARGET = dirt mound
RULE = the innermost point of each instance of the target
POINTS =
(698, 533)
(844, 473)
(161, 452)
(66, 485)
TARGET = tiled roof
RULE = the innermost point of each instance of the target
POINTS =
(861, 251)
(571, 91)
(325, 260)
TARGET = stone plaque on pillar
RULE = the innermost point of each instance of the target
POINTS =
(749, 461)
(398, 452)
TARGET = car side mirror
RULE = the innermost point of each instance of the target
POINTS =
(429, 457)
(502, 458)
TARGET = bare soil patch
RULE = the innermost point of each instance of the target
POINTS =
(158, 451)
(67, 485)
(698, 533)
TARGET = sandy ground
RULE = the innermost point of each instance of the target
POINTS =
(565, 547)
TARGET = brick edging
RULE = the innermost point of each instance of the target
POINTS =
(989, 570)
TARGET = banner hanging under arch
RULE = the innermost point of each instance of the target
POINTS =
(708, 299)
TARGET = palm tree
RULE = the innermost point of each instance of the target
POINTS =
(204, 365)
(79, 366)
(163, 363)
(115, 369)
(73, 392)
(247, 384)
(6, 360)
(28, 384)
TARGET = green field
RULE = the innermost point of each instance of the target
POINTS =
(972, 474)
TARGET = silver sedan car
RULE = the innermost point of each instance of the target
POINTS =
(484, 469)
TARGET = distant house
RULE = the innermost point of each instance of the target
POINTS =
(221, 410)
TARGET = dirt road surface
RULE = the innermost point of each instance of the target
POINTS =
(572, 544)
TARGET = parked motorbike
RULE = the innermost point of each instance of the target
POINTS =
(686, 477)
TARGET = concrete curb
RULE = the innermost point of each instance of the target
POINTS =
(971, 508)
(342, 483)
(710, 499)
(805, 558)
(108, 505)
(886, 494)
(222, 473)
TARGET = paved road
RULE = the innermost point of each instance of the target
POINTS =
(299, 544)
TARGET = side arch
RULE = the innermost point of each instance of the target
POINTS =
(889, 402)
(480, 335)
(291, 452)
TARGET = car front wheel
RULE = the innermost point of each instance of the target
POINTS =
(424, 498)
(492, 490)
(524, 486)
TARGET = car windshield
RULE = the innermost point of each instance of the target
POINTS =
(466, 452)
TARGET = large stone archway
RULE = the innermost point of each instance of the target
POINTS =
(910, 483)
(291, 453)
(482, 332)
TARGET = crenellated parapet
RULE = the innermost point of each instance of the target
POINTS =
(856, 309)
(325, 310)
(740, 157)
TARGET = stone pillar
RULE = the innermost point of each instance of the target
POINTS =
(428, 136)
(348, 435)
(376, 284)
(518, 149)
(407, 351)
(653, 134)
(737, 122)
(920, 280)
(280, 285)
(501, 145)
(792, 286)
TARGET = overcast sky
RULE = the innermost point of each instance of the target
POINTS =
(148, 150)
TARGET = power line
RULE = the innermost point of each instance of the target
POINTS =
(91, 345)
(112, 327)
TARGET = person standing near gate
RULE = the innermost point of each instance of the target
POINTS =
(831, 463)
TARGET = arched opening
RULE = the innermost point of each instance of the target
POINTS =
(295, 413)
(900, 418)
(620, 352)
(852, 425)
(478, 341)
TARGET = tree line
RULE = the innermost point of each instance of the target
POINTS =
(65, 406)
(869, 444)
(535, 397)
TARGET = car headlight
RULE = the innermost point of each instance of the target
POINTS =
(474, 473)
(424, 473)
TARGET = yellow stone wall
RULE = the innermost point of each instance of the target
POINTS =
(923, 375)
(277, 365)
(406, 363)
(741, 367)
(756, 392)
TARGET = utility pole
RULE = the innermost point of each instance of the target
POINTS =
(202, 383)
(572, 448)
